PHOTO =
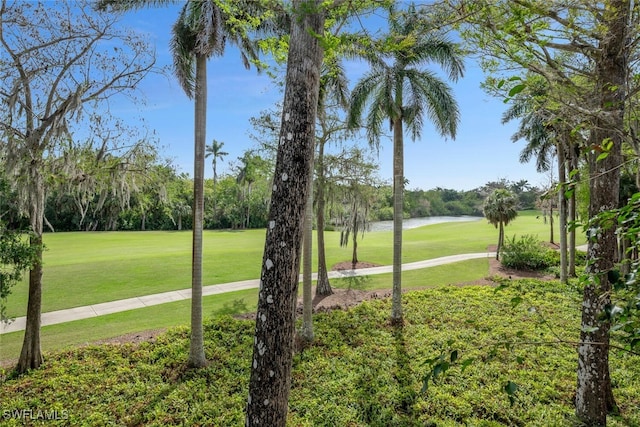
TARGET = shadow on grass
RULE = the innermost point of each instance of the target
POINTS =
(403, 374)
(356, 282)
(385, 394)
(237, 306)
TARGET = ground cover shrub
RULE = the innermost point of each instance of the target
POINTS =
(360, 371)
(528, 253)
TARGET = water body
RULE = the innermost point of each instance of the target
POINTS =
(419, 222)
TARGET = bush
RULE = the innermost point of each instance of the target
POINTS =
(528, 253)
(383, 214)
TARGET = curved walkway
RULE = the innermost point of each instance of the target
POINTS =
(101, 309)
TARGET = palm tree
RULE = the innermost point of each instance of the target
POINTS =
(500, 208)
(215, 152)
(180, 209)
(270, 378)
(202, 30)
(547, 136)
(399, 89)
(250, 169)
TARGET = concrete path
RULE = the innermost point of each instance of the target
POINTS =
(77, 313)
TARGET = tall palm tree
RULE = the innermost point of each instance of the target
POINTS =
(202, 30)
(400, 89)
(547, 136)
(215, 152)
(500, 208)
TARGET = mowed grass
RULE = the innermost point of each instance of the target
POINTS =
(81, 332)
(88, 268)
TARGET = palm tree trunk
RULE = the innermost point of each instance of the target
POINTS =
(197, 357)
(307, 246)
(323, 287)
(573, 160)
(551, 238)
(354, 253)
(398, 204)
(270, 380)
(562, 207)
(500, 240)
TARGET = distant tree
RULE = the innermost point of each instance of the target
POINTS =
(16, 256)
(57, 67)
(398, 89)
(355, 223)
(252, 167)
(356, 180)
(215, 152)
(500, 208)
(265, 130)
(333, 99)
(103, 182)
(180, 210)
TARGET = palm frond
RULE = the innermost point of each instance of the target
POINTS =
(534, 128)
(378, 113)
(182, 47)
(207, 22)
(123, 5)
(437, 100)
(334, 83)
(360, 96)
(440, 51)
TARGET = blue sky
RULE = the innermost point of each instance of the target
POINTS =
(481, 152)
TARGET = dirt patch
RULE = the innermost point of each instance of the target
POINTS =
(133, 337)
(348, 265)
(342, 299)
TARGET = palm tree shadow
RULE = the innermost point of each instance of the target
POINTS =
(357, 282)
(403, 374)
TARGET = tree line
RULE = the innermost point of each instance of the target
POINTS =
(162, 200)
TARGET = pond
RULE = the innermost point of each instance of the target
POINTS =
(419, 222)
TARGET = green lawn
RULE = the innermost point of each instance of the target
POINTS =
(56, 337)
(89, 268)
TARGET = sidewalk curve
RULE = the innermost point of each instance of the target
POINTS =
(101, 309)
